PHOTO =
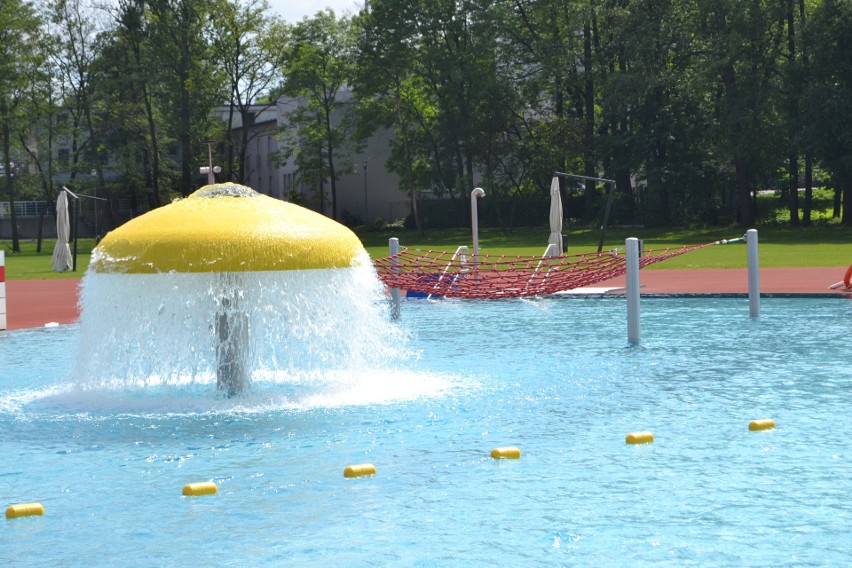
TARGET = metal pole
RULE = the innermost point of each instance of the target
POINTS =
(393, 245)
(753, 274)
(76, 224)
(611, 184)
(633, 333)
(474, 222)
(606, 215)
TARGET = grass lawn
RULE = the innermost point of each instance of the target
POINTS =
(779, 247)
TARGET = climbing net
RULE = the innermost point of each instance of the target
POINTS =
(459, 275)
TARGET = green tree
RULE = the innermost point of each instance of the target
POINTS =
(320, 60)
(246, 42)
(742, 43)
(130, 83)
(540, 62)
(394, 95)
(20, 56)
(829, 112)
(188, 85)
(76, 49)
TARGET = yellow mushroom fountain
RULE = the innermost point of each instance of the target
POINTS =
(254, 279)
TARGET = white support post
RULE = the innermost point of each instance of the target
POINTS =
(393, 245)
(633, 333)
(753, 274)
(474, 222)
(2, 290)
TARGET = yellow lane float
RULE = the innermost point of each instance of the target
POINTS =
(640, 438)
(506, 453)
(202, 488)
(359, 470)
(24, 510)
(762, 424)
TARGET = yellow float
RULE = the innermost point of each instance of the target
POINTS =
(506, 453)
(640, 438)
(762, 424)
(200, 488)
(359, 470)
(24, 510)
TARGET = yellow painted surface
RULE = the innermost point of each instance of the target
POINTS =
(226, 228)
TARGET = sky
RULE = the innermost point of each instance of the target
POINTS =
(294, 10)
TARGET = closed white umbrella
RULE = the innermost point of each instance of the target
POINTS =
(555, 216)
(62, 260)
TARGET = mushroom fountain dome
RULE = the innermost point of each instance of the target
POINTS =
(229, 286)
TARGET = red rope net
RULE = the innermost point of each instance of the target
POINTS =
(492, 277)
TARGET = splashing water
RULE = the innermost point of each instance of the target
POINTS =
(305, 328)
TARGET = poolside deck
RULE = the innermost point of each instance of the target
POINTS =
(34, 303)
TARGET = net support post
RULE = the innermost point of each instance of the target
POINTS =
(753, 274)
(474, 222)
(393, 245)
(633, 333)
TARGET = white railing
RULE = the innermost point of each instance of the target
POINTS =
(460, 258)
(22, 209)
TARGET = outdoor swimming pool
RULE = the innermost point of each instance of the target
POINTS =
(553, 376)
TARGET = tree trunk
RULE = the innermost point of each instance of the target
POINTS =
(793, 198)
(154, 172)
(838, 192)
(10, 178)
(746, 207)
(588, 122)
(184, 136)
(809, 191)
(415, 211)
(330, 161)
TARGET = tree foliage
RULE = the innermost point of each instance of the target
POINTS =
(319, 64)
(692, 107)
(21, 60)
(247, 46)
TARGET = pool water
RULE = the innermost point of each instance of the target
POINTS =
(553, 376)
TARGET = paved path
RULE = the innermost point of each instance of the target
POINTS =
(33, 303)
